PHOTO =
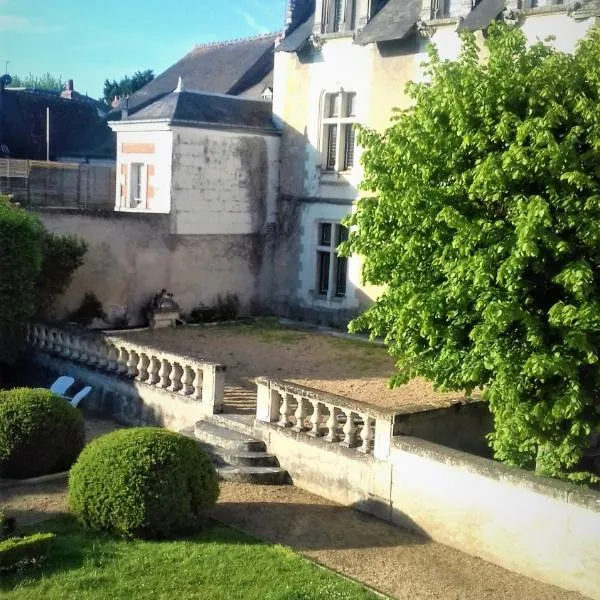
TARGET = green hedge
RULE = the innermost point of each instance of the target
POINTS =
(20, 551)
(20, 260)
(143, 482)
(40, 433)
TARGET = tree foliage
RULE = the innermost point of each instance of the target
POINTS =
(484, 226)
(126, 86)
(20, 260)
(47, 81)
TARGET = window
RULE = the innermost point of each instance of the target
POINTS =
(136, 186)
(338, 15)
(332, 270)
(339, 138)
(440, 9)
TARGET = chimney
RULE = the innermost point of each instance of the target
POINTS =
(69, 90)
(124, 107)
(116, 103)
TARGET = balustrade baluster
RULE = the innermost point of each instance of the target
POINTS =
(132, 362)
(101, 354)
(176, 375)
(198, 381)
(187, 381)
(122, 361)
(92, 358)
(112, 358)
(332, 425)
(366, 434)
(142, 367)
(285, 411)
(153, 369)
(300, 415)
(315, 419)
(165, 370)
(75, 350)
(349, 429)
(42, 338)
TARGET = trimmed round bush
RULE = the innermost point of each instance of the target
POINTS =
(40, 433)
(143, 482)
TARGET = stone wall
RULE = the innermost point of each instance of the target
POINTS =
(132, 256)
(538, 527)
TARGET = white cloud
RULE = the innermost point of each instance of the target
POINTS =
(17, 23)
(252, 22)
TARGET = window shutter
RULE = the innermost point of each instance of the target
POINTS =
(350, 143)
(331, 146)
(123, 185)
(338, 18)
(149, 186)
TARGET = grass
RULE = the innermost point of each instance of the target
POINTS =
(218, 564)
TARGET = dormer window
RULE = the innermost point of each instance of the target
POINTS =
(440, 9)
(338, 15)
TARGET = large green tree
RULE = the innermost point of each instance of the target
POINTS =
(483, 223)
(126, 86)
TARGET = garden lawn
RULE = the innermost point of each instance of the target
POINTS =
(219, 563)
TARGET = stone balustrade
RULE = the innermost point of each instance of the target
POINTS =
(184, 375)
(335, 419)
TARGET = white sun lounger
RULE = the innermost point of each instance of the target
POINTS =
(61, 385)
(80, 395)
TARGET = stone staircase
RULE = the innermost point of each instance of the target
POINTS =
(237, 456)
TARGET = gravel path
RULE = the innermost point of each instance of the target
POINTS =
(350, 368)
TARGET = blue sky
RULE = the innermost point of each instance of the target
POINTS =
(90, 41)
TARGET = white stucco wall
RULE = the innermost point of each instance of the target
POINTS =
(162, 139)
(224, 182)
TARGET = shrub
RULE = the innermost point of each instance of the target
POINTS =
(226, 308)
(484, 227)
(20, 261)
(62, 255)
(142, 482)
(90, 308)
(18, 552)
(40, 433)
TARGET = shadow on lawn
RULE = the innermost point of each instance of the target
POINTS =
(316, 526)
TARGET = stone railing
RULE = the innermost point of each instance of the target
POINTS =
(184, 375)
(335, 419)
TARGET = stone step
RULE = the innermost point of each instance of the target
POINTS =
(257, 475)
(222, 437)
(238, 458)
(236, 422)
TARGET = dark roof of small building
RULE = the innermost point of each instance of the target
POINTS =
(203, 109)
(232, 67)
(394, 21)
(77, 127)
(296, 39)
(482, 15)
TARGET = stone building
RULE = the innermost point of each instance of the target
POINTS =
(347, 61)
(237, 165)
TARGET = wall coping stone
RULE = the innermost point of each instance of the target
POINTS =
(552, 488)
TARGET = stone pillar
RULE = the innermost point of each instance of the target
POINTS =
(267, 402)
(213, 388)
(384, 429)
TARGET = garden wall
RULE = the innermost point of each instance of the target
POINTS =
(131, 257)
(538, 527)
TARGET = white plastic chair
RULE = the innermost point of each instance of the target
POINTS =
(61, 385)
(80, 395)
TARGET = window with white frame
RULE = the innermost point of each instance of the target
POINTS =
(332, 269)
(339, 136)
(137, 189)
(338, 15)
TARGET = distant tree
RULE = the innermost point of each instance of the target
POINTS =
(47, 81)
(127, 85)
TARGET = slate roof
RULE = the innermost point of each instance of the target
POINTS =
(394, 21)
(203, 109)
(482, 15)
(77, 127)
(232, 67)
(295, 40)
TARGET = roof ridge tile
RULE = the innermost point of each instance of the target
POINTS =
(252, 38)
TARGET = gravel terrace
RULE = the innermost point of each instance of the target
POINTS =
(351, 368)
(384, 557)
